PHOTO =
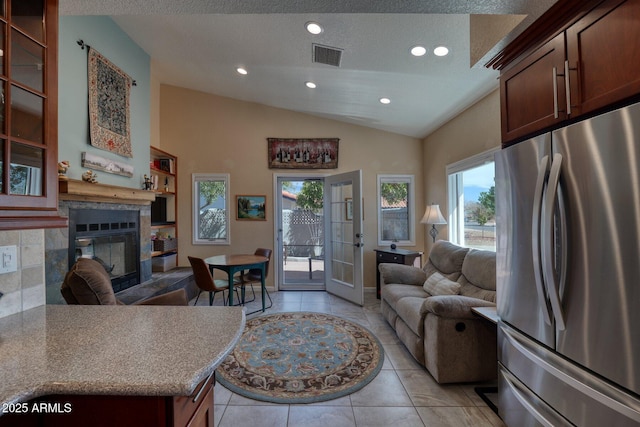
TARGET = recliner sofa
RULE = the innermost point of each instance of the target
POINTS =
(88, 283)
(438, 327)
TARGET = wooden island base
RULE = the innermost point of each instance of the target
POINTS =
(107, 411)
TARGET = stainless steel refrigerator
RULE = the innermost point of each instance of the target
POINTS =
(568, 266)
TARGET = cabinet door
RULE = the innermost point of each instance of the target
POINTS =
(603, 55)
(532, 93)
(29, 115)
(197, 409)
(203, 416)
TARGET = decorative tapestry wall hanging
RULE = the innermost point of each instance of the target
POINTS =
(298, 153)
(109, 116)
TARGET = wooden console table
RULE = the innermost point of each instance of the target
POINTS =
(394, 256)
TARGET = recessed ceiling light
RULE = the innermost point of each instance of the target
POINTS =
(440, 51)
(385, 101)
(418, 50)
(242, 71)
(310, 85)
(313, 27)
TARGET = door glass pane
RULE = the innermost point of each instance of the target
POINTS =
(2, 48)
(27, 61)
(302, 223)
(2, 165)
(25, 173)
(29, 16)
(342, 271)
(2, 108)
(26, 115)
(341, 234)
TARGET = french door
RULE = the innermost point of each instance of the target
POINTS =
(343, 236)
(319, 246)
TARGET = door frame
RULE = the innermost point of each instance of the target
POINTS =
(277, 207)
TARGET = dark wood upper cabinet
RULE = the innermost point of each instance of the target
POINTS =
(603, 51)
(29, 115)
(530, 94)
(579, 59)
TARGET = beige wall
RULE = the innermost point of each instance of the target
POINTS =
(475, 130)
(212, 134)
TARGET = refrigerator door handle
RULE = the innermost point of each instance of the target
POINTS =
(535, 238)
(528, 402)
(553, 287)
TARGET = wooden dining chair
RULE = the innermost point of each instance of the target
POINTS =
(206, 282)
(252, 276)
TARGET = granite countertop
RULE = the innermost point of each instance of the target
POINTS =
(113, 350)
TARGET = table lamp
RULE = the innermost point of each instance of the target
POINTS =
(433, 216)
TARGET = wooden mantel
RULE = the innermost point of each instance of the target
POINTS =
(72, 189)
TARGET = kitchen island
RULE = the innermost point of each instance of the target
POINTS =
(71, 360)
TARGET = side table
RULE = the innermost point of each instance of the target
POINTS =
(394, 256)
(489, 314)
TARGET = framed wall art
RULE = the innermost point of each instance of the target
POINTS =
(301, 153)
(91, 161)
(251, 208)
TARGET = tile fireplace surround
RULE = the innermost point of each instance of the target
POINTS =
(57, 244)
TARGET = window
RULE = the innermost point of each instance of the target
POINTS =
(210, 209)
(471, 188)
(396, 210)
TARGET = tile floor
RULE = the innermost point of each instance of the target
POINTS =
(403, 393)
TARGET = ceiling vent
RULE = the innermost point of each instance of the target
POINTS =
(327, 55)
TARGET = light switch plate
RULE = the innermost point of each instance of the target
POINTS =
(8, 259)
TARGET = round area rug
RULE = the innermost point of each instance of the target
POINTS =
(301, 358)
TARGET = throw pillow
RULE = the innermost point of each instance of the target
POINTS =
(437, 284)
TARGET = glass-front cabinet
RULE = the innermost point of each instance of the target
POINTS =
(28, 114)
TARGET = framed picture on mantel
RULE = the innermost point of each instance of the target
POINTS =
(300, 153)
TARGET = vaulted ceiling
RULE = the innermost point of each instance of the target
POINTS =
(199, 45)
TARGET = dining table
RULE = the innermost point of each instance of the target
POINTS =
(235, 263)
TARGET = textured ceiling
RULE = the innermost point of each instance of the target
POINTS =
(199, 44)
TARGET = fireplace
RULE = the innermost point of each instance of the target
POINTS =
(110, 237)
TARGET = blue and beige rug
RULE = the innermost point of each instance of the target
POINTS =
(301, 358)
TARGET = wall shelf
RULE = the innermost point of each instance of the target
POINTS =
(165, 207)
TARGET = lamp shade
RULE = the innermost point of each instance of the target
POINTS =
(432, 215)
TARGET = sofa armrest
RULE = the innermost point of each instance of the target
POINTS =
(177, 297)
(401, 274)
(453, 306)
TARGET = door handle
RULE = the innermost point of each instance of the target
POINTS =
(567, 87)
(535, 238)
(360, 242)
(548, 232)
(554, 73)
